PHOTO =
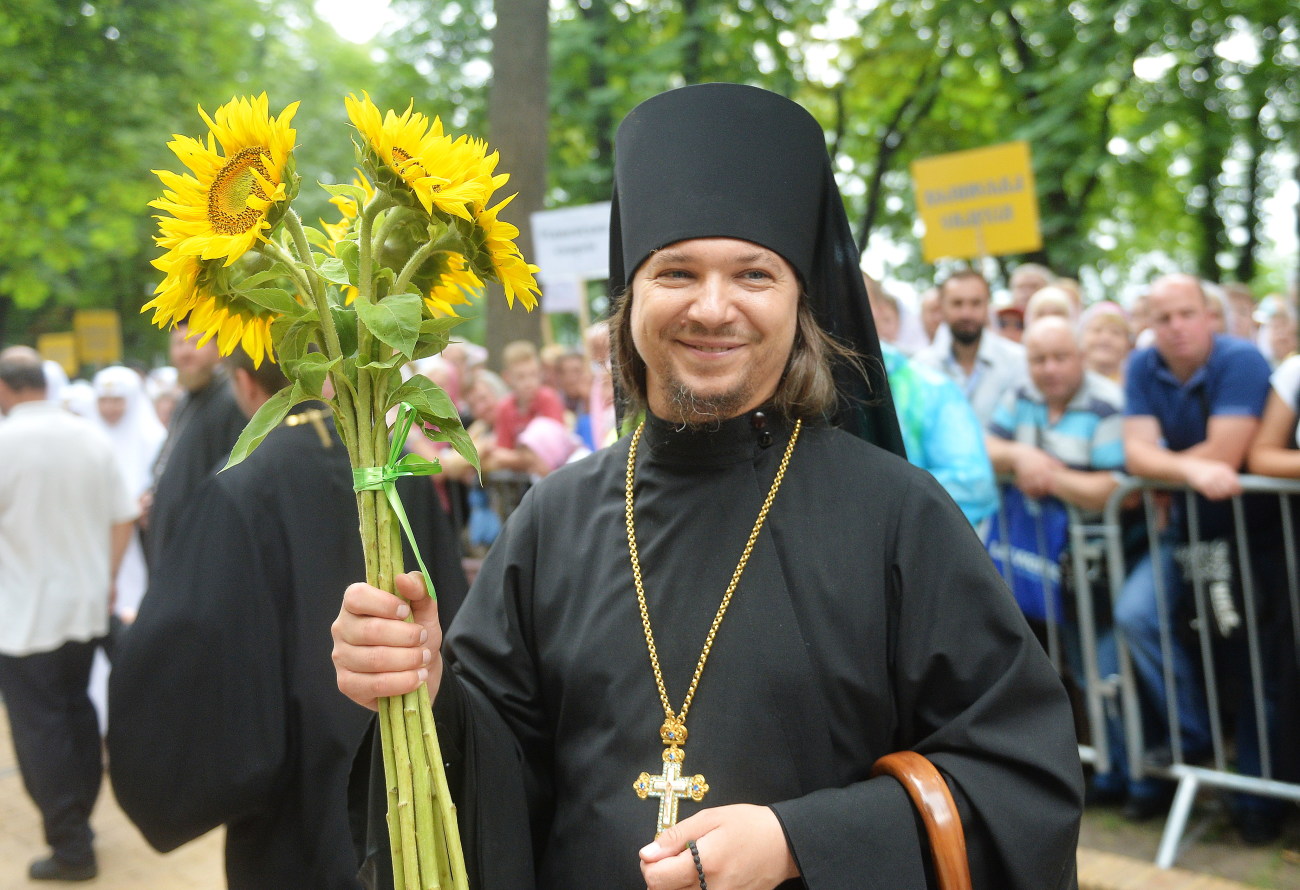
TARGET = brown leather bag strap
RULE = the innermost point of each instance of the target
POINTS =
(930, 795)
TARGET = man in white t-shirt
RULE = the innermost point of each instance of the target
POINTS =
(983, 364)
(65, 520)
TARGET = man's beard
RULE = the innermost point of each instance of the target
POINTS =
(966, 336)
(692, 410)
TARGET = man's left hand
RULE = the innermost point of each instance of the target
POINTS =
(741, 847)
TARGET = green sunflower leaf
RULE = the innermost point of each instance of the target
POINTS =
(386, 364)
(267, 418)
(309, 372)
(317, 238)
(435, 334)
(394, 320)
(335, 271)
(441, 324)
(277, 299)
(348, 251)
(426, 397)
(345, 322)
(450, 429)
(436, 410)
(292, 334)
(275, 273)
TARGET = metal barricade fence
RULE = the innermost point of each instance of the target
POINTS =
(1070, 634)
(1216, 621)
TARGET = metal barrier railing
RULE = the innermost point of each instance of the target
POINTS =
(1219, 629)
(1071, 639)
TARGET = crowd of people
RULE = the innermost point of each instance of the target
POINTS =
(220, 708)
(1193, 384)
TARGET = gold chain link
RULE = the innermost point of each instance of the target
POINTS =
(726, 597)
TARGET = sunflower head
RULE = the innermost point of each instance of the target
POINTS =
(239, 185)
(204, 292)
(409, 154)
(449, 282)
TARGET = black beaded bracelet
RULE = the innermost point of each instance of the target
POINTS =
(699, 869)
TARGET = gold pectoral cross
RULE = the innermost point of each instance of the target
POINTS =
(670, 786)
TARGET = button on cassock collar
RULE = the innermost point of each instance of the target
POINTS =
(730, 441)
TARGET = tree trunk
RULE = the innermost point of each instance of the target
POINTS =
(518, 118)
(598, 16)
(1209, 164)
(692, 31)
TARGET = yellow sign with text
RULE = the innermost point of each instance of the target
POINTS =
(61, 348)
(977, 203)
(99, 336)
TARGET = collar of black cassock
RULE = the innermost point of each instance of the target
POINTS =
(724, 160)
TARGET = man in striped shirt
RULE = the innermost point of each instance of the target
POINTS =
(1061, 434)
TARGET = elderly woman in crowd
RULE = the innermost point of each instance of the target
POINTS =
(1107, 339)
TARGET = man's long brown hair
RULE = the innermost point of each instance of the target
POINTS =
(807, 388)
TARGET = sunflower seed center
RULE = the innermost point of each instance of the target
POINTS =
(228, 209)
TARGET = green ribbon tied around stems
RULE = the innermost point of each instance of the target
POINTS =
(385, 477)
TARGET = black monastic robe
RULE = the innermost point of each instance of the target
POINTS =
(204, 427)
(869, 620)
(223, 704)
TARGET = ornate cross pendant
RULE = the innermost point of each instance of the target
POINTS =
(670, 786)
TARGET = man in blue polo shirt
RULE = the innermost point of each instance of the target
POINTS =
(1193, 405)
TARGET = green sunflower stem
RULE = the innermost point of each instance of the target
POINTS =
(423, 833)
(275, 251)
(422, 253)
(365, 247)
(293, 223)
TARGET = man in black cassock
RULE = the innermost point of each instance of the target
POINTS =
(223, 709)
(868, 618)
(203, 429)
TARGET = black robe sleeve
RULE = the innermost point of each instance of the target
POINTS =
(973, 692)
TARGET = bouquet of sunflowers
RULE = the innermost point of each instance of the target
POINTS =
(343, 308)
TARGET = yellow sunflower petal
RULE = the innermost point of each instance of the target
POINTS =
(516, 275)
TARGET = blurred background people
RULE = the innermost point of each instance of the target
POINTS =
(65, 518)
(981, 363)
(1028, 279)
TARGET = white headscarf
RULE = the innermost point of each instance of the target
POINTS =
(55, 380)
(78, 397)
(138, 435)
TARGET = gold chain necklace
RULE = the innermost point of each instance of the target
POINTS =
(670, 786)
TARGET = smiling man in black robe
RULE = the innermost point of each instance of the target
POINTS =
(728, 616)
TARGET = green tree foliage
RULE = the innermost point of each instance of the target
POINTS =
(90, 94)
(1157, 129)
